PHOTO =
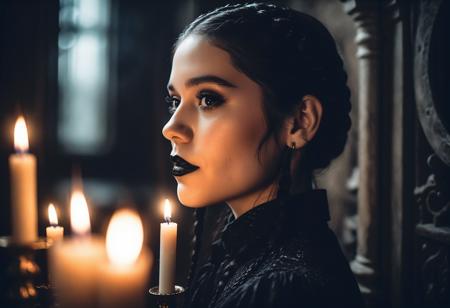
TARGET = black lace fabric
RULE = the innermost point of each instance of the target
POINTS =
(279, 254)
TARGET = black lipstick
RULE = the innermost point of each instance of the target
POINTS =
(181, 167)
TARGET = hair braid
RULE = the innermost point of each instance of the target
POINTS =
(199, 215)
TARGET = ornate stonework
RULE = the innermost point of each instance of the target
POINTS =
(365, 16)
(433, 196)
(434, 230)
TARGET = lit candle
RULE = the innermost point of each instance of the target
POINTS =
(54, 232)
(124, 278)
(167, 253)
(23, 187)
(74, 262)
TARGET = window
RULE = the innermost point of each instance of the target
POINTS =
(84, 76)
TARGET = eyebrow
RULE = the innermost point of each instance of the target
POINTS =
(205, 79)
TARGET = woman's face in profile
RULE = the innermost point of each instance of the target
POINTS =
(215, 130)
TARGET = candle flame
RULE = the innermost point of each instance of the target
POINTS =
(124, 237)
(20, 135)
(167, 210)
(79, 214)
(52, 217)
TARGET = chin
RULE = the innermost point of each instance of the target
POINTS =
(190, 199)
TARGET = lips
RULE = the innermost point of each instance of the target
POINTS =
(181, 167)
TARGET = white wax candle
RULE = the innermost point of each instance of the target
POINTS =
(54, 232)
(124, 277)
(125, 286)
(23, 187)
(74, 267)
(167, 253)
(74, 263)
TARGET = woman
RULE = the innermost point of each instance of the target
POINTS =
(259, 101)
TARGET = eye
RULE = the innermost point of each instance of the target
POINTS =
(173, 103)
(210, 99)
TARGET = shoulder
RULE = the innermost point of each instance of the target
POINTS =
(299, 273)
(292, 288)
(281, 289)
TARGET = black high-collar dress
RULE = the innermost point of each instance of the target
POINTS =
(279, 254)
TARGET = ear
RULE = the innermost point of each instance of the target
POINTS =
(303, 125)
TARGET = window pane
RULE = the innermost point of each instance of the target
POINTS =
(83, 73)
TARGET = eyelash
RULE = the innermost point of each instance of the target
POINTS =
(210, 98)
(214, 98)
(173, 103)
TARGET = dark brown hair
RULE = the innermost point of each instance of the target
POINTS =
(290, 55)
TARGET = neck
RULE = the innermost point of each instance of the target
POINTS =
(301, 182)
(242, 204)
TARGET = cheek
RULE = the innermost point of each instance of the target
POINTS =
(231, 146)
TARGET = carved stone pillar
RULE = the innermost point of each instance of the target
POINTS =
(364, 266)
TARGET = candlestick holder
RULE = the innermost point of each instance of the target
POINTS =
(23, 274)
(172, 300)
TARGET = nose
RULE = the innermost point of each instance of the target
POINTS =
(177, 129)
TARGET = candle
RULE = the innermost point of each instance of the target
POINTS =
(167, 252)
(124, 278)
(23, 187)
(74, 262)
(54, 232)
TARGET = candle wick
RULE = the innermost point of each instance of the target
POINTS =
(167, 220)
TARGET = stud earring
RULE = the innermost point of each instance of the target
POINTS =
(293, 146)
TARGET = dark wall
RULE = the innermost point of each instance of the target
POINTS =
(28, 38)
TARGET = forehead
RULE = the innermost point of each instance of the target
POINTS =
(196, 56)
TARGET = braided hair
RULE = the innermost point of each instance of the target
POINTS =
(290, 55)
(199, 215)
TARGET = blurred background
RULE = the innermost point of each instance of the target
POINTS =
(90, 78)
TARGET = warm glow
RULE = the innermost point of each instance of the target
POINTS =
(79, 214)
(20, 135)
(52, 217)
(124, 237)
(167, 210)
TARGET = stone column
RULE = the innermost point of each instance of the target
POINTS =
(364, 266)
